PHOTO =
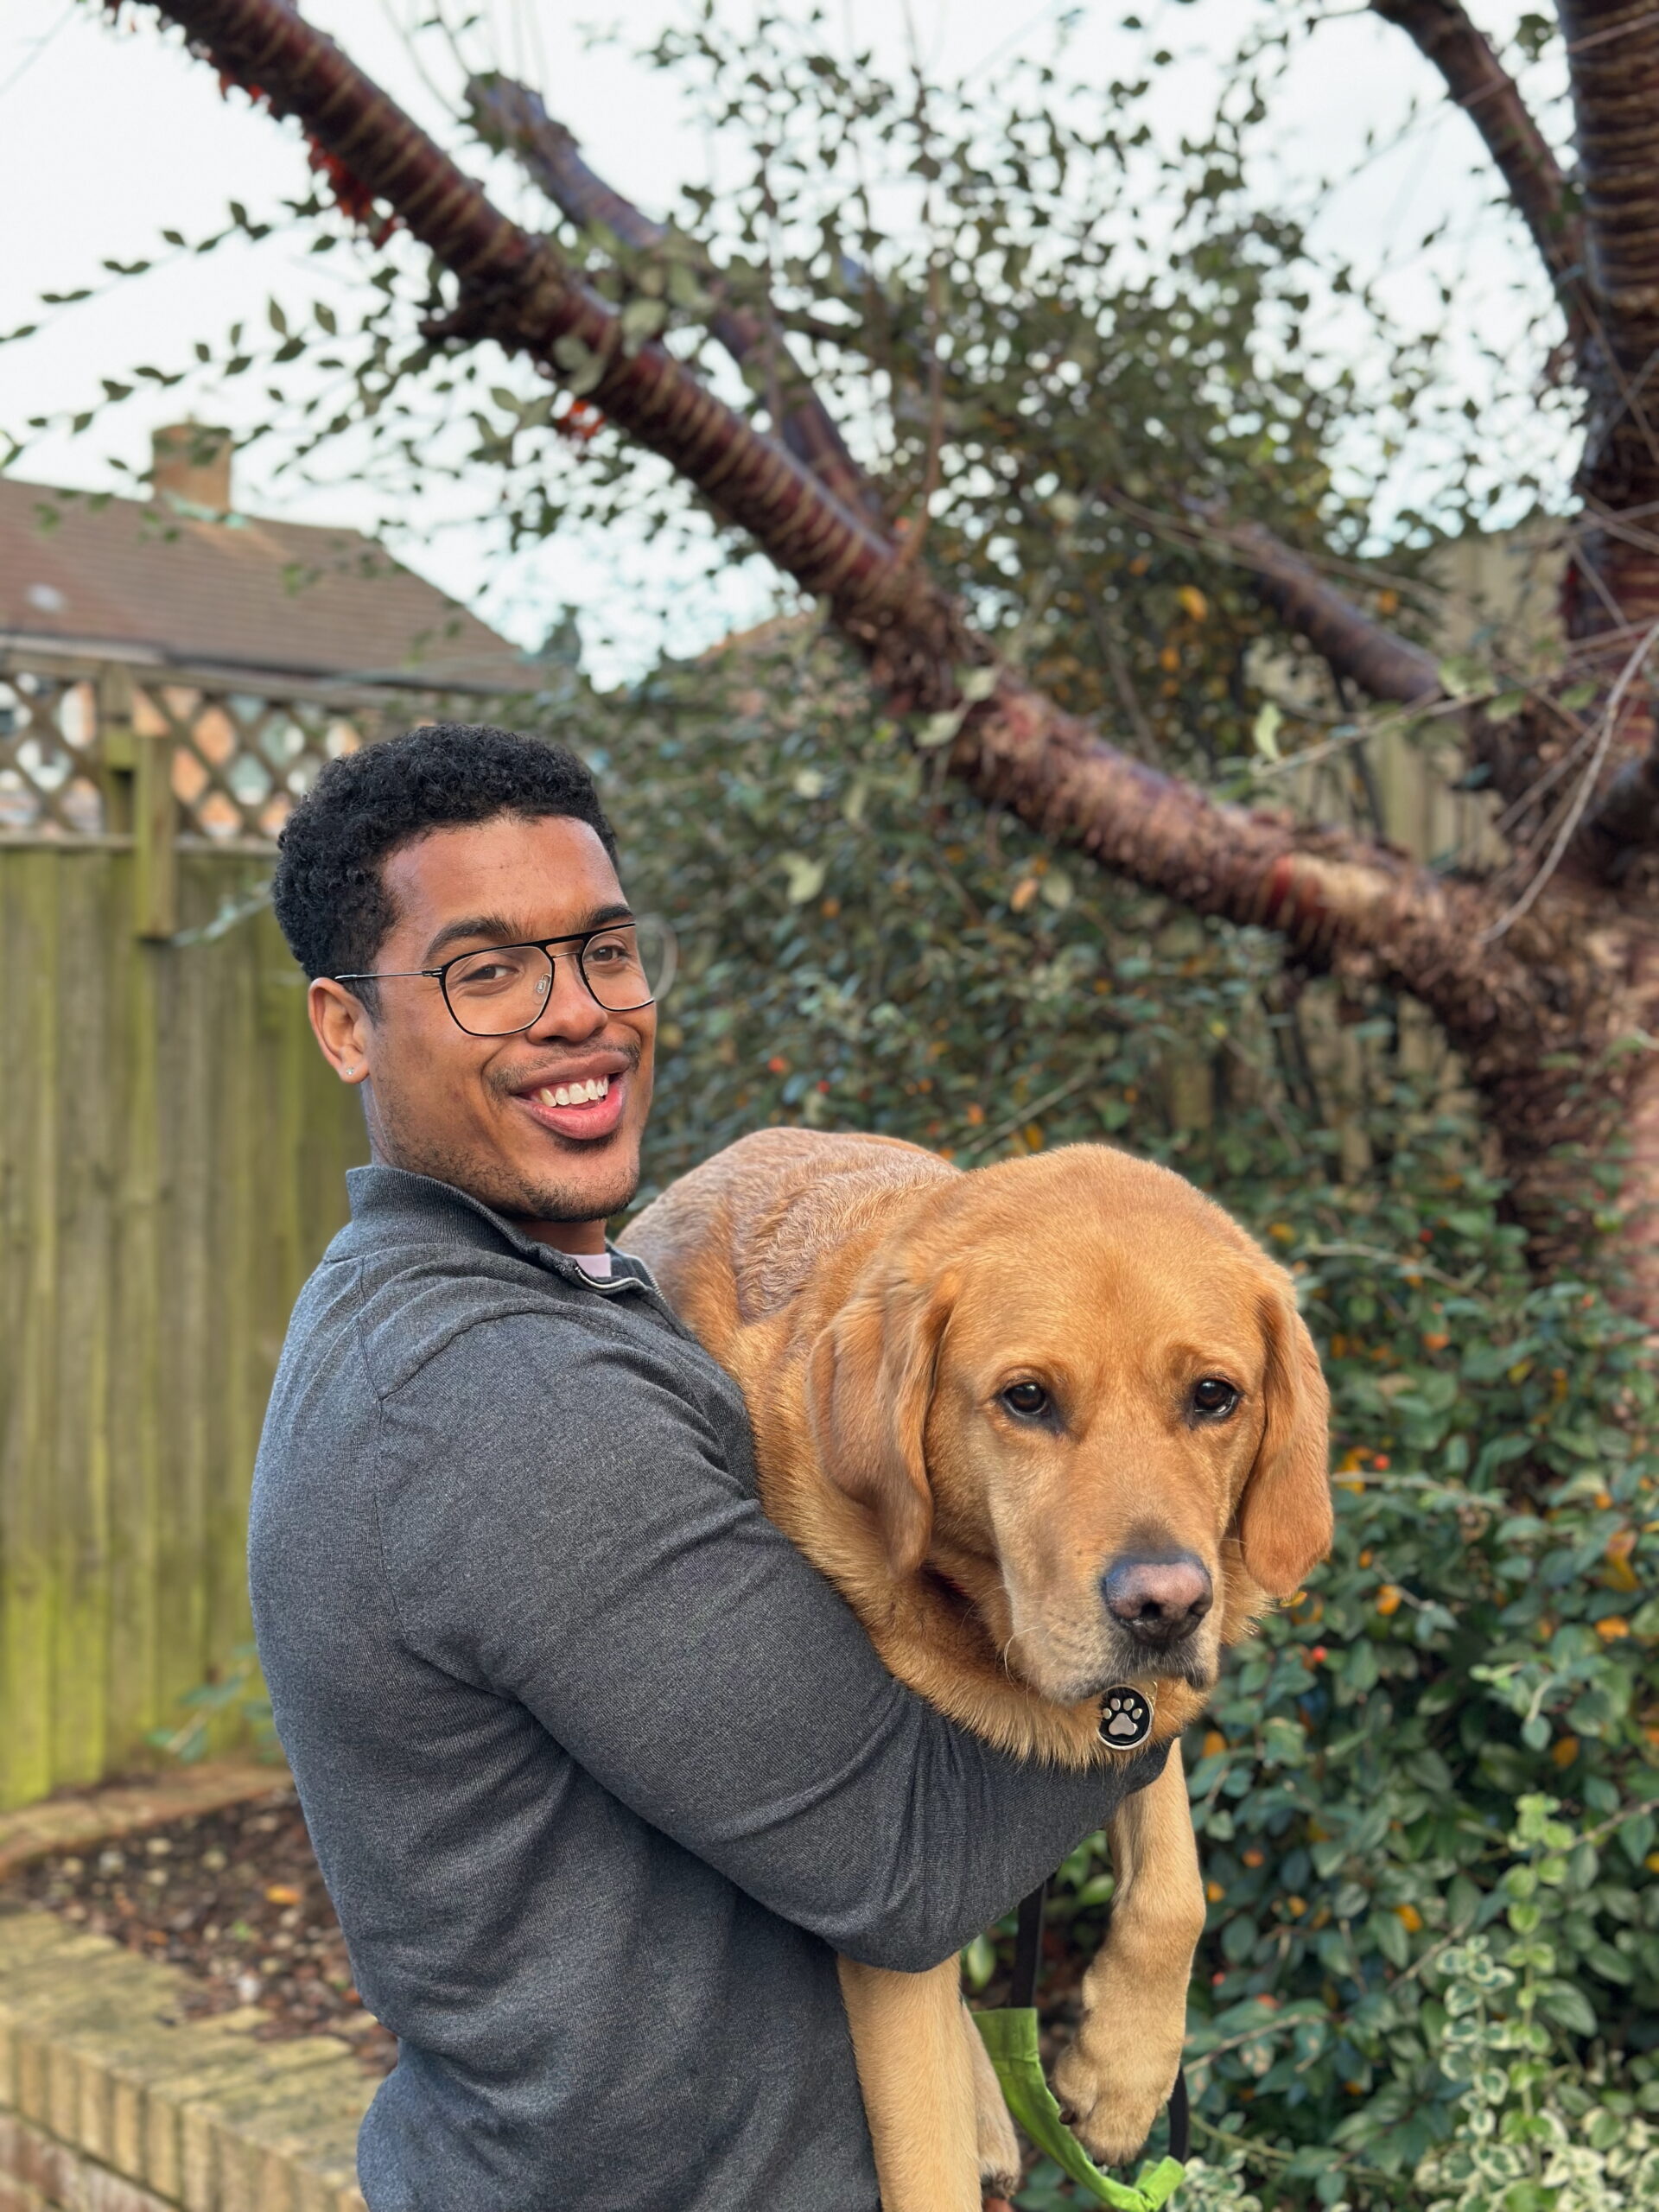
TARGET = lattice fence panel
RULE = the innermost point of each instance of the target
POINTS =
(50, 764)
(240, 759)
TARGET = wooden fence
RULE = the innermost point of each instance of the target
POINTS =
(172, 1150)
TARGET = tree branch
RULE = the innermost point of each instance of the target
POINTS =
(1388, 666)
(1481, 85)
(517, 289)
(513, 116)
(1613, 49)
(1335, 899)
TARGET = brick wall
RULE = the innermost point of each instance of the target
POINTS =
(111, 2101)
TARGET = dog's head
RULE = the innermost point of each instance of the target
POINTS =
(1081, 1394)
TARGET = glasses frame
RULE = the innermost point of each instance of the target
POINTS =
(580, 939)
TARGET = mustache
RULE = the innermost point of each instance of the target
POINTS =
(507, 1082)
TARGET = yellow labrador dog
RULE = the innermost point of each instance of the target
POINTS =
(1052, 1426)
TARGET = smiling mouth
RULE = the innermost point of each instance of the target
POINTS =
(585, 1108)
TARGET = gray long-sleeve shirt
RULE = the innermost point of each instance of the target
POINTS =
(600, 1772)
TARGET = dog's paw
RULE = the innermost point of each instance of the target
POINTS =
(1110, 2113)
(1000, 2162)
(995, 2140)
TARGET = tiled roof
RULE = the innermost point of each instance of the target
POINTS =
(180, 588)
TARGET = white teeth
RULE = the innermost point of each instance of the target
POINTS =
(575, 1094)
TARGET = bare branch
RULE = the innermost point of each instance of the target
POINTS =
(1356, 646)
(520, 289)
(1388, 666)
(511, 115)
(1335, 899)
(1573, 812)
(1481, 85)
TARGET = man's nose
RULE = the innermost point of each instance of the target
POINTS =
(570, 1008)
(1157, 1600)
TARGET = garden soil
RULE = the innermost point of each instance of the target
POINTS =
(236, 1899)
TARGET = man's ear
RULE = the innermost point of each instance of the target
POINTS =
(341, 1023)
(869, 1384)
(1284, 1521)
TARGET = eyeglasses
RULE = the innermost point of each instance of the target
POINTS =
(505, 987)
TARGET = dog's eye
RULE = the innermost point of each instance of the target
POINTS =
(1028, 1399)
(1213, 1398)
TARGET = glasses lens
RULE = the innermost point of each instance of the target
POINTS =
(493, 993)
(631, 965)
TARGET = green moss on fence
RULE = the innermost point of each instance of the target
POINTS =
(172, 1151)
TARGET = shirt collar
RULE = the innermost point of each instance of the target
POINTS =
(395, 1202)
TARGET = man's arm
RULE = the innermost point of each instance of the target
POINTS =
(558, 1527)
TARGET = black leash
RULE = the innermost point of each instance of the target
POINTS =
(1022, 1994)
(1028, 1949)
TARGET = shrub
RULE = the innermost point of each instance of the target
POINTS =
(1427, 1792)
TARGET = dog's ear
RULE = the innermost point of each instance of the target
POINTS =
(870, 1381)
(1284, 1521)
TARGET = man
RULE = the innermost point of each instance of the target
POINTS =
(600, 1772)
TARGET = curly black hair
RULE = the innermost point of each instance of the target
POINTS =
(329, 890)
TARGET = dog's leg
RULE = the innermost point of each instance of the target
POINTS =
(910, 2039)
(1128, 2050)
(998, 2147)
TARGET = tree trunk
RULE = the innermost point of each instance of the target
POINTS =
(1611, 596)
(1614, 53)
(1638, 1202)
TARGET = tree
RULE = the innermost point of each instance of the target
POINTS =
(1428, 1796)
(1548, 983)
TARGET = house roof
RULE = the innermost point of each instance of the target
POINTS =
(171, 585)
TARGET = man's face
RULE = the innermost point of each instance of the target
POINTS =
(478, 1112)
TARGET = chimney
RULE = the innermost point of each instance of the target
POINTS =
(191, 463)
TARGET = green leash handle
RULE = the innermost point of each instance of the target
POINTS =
(1010, 2039)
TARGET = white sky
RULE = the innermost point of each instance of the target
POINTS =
(108, 136)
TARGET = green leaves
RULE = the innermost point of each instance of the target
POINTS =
(1426, 1792)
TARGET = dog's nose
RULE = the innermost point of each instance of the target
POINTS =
(1159, 1600)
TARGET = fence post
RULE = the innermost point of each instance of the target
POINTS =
(138, 768)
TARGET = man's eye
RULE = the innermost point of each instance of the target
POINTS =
(612, 951)
(484, 974)
(1026, 1399)
(1214, 1398)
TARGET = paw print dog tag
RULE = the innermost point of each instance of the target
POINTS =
(1125, 1718)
